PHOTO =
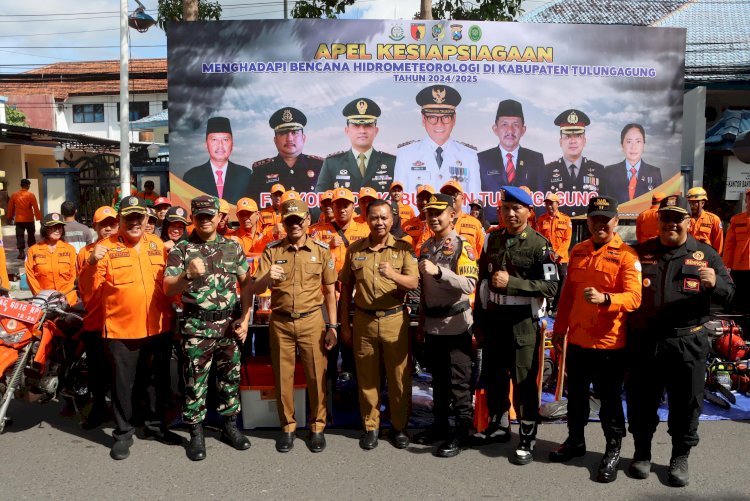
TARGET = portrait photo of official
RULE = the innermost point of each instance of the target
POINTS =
(220, 177)
(632, 177)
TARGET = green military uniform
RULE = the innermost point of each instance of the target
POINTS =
(207, 336)
(508, 318)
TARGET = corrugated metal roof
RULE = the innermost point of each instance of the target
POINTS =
(160, 119)
(721, 136)
(631, 12)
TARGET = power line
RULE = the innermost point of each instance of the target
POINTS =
(58, 33)
(75, 46)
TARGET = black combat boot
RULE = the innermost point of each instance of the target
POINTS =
(610, 461)
(497, 431)
(458, 439)
(232, 436)
(525, 451)
(573, 447)
(196, 450)
(640, 466)
(677, 476)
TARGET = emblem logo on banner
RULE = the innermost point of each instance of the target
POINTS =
(397, 33)
(418, 31)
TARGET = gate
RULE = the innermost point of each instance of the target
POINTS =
(99, 177)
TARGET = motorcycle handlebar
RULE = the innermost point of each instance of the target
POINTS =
(68, 314)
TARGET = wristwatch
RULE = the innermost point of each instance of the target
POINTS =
(333, 326)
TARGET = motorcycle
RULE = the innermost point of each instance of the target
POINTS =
(35, 349)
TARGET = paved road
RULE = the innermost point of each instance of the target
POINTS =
(46, 456)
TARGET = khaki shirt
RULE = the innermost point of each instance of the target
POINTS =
(373, 291)
(306, 269)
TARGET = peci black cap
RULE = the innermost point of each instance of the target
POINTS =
(509, 108)
(361, 111)
(675, 203)
(438, 99)
(131, 205)
(218, 125)
(572, 121)
(602, 206)
(287, 119)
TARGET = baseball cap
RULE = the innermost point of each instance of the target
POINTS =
(343, 193)
(657, 197)
(247, 204)
(52, 219)
(204, 204)
(293, 207)
(476, 203)
(278, 187)
(396, 183)
(452, 184)
(289, 195)
(425, 188)
(132, 205)
(675, 203)
(602, 206)
(103, 213)
(439, 201)
(162, 201)
(176, 214)
(515, 194)
(366, 191)
(552, 198)
(327, 195)
(223, 206)
(697, 193)
(151, 212)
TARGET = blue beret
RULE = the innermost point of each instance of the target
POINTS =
(515, 194)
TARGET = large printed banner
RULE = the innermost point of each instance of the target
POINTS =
(574, 110)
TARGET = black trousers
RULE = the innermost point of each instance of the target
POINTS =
(141, 370)
(100, 370)
(510, 351)
(606, 370)
(20, 229)
(677, 364)
(450, 365)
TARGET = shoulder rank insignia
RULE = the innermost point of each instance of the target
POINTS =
(336, 153)
(406, 143)
(263, 162)
(322, 244)
(471, 146)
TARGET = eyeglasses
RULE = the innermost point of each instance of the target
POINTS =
(434, 119)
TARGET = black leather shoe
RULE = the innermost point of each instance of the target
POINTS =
(285, 442)
(369, 440)
(449, 448)
(494, 433)
(568, 450)
(121, 449)
(430, 436)
(164, 436)
(317, 441)
(232, 436)
(399, 438)
(196, 450)
(608, 467)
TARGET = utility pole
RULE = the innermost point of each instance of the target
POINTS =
(425, 11)
(286, 9)
(189, 10)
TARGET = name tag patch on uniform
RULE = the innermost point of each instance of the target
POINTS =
(360, 258)
(695, 262)
(691, 284)
(280, 261)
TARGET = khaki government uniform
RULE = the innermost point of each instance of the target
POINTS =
(381, 326)
(297, 321)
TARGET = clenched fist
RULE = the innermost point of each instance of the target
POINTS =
(277, 272)
(98, 254)
(196, 268)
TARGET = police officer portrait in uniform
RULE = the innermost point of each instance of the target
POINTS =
(632, 177)
(437, 158)
(572, 172)
(361, 165)
(205, 269)
(508, 163)
(516, 274)
(291, 168)
(603, 287)
(448, 269)
(667, 340)
(383, 269)
(296, 268)
(219, 177)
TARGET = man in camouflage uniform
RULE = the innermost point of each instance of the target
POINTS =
(205, 269)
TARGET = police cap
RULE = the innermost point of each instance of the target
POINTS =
(287, 119)
(204, 204)
(602, 206)
(218, 125)
(132, 205)
(438, 99)
(361, 111)
(572, 121)
(675, 203)
(439, 201)
(515, 194)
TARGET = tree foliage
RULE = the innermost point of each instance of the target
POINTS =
(172, 10)
(14, 116)
(481, 10)
(312, 9)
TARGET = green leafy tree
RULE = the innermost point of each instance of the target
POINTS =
(174, 10)
(483, 10)
(13, 116)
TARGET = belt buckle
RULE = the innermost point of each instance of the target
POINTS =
(380, 313)
(295, 315)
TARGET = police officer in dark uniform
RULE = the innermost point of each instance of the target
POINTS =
(572, 173)
(361, 165)
(291, 168)
(516, 273)
(667, 340)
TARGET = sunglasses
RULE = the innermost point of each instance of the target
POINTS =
(434, 119)
(672, 218)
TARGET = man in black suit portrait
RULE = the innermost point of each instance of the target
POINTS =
(508, 164)
(219, 177)
(632, 177)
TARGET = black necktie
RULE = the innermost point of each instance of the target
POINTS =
(573, 171)
(439, 156)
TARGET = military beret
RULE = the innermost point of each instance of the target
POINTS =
(361, 111)
(515, 194)
(438, 99)
(287, 119)
(218, 125)
(572, 121)
(509, 108)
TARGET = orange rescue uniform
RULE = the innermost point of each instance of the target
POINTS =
(708, 229)
(147, 196)
(418, 231)
(52, 269)
(23, 207)
(647, 224)
(268, 217)
(471, 229)
(94, 319)
(737, 246)
(325, 232)
(558, 229)
(613, 269)
(128, 283)
(405, 211)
